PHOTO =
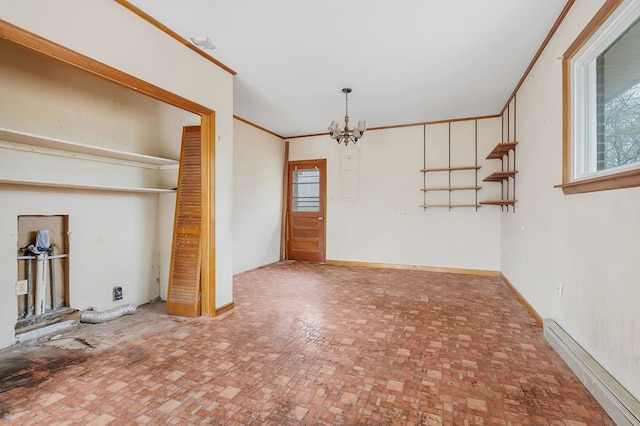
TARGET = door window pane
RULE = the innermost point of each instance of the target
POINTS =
(306, 190)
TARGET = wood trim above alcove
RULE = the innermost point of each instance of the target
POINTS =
(60, 53)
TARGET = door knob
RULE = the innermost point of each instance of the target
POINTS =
(320, 217)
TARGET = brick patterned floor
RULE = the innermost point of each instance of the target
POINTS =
(308, 344)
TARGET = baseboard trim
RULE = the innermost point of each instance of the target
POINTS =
(522, 300)
(224, 309)
(621, 406)
(415, 268)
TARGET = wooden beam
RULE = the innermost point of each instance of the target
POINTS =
(208, 276)
(285, 203)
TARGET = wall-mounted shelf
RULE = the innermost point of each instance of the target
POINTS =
(85, 187)
(453, 188)
(502, 151)
(449, 169)
(500, 176)
(499, 202)
(450, 206)
(30, 141)
(446, 182)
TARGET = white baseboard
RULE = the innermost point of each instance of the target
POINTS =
(621, 406)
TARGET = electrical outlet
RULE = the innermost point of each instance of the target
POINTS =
(117, 293)
(21, 287)
(560, 289)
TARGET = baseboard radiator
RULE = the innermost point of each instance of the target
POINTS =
(621, 406)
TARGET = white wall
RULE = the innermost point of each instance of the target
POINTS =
(143, 51)
(369, 228)
(111, 242)
(589, 242)
(258, 164)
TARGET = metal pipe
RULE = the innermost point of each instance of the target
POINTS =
(90, 315)
(41, 283)
(29, 307)
(57, 256)
(53, 283)
(31, 291)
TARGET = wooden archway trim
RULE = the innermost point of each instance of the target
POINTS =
(60, 53)
(42, 46)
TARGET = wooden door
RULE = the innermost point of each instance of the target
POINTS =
(306, 210)
(183, 297)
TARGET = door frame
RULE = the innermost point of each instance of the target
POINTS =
(321, 163)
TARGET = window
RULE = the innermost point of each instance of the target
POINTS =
(306, 190)
(602, 102)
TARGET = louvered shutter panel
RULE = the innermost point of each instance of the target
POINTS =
(184, 274)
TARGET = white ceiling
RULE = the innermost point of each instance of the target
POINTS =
(407, 61)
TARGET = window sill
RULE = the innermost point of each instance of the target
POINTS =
(628, 179)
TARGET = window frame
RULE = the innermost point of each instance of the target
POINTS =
(606, 180)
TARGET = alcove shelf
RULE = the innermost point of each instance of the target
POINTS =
(63, 185)
(131, 172)
(32, 140)
(504, 151)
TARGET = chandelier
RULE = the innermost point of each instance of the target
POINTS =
(347, 135)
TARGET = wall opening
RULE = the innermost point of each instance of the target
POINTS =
(42, 289)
